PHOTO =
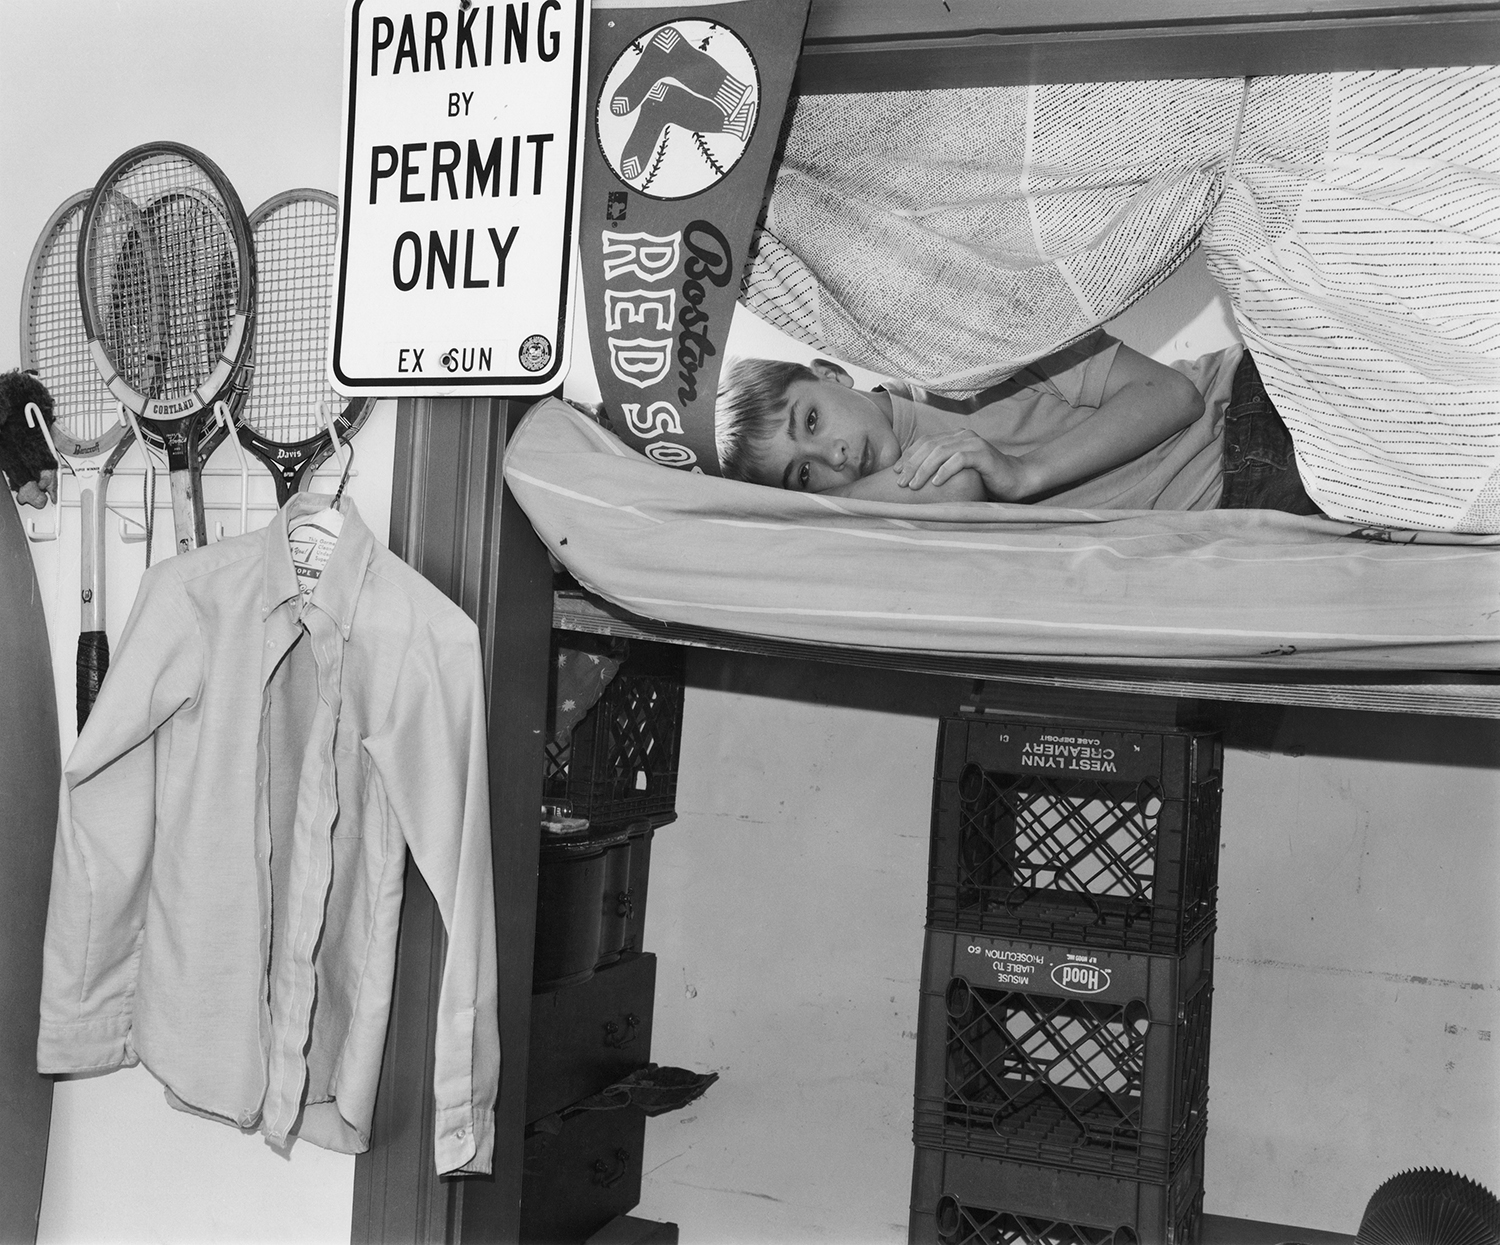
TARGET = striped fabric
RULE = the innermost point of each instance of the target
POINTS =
(1359, 242)
(949, 237)
(1222, 588)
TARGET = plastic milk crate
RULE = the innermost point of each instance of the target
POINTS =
(1075, 834)
(1072, 1057)
(621, 765)
(965, 1199)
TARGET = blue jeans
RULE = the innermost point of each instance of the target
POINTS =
(1260, 467)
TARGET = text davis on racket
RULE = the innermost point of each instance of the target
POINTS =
(460, 183)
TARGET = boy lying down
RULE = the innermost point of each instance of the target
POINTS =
(1094, 426)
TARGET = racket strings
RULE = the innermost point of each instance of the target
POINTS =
(163, 271)
(59, 346)
(295, 256)
(198, 273)
(131, 332)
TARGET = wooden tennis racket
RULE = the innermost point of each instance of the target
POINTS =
(166, 283)
(284, 421)
(88, 432)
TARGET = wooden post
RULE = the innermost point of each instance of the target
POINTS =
(453, 520)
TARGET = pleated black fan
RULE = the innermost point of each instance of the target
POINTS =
(1426, 1206)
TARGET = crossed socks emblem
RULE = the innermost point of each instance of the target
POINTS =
(675, 83)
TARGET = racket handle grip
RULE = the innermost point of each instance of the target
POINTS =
(187, 511)
(93, 662)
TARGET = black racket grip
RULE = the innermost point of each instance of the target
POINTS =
(93, 661)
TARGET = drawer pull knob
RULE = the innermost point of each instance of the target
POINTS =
(607, 1179)
(612, 1035)
(625, 903)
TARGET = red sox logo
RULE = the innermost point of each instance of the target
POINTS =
(678, 108)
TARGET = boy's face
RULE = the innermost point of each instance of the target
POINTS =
(830, 435)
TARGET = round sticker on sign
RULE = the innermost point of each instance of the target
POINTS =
(678, 108)
(535, 353)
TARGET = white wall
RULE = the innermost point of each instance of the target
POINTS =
(255, 86)
(1357, 988)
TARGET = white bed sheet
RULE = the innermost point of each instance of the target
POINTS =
(1220, 588)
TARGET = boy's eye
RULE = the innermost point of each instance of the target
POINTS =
(812, 421)
(804, 474)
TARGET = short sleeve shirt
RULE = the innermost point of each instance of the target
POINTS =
(1055, 394)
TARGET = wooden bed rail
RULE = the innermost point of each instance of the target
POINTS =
(912, 45)
(1458, 694)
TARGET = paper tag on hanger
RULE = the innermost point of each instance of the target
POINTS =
(312, 539)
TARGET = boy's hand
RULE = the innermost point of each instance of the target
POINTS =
(937, 459)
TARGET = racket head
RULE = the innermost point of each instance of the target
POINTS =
(296, 238)
(166, 281)
(55, 346)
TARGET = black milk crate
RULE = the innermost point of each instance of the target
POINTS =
(966, 1199)
(1075, 834)
(621, 764)
(1072, 1057)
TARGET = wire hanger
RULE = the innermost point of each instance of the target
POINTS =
(340, 450)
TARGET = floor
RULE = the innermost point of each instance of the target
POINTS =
(1219, 1230)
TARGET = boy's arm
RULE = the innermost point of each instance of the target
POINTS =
(959, 485)
(1144, 403)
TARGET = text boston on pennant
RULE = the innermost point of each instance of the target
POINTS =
(684, 107)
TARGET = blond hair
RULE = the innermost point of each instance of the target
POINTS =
(751, 407)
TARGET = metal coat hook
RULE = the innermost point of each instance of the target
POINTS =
(222, 416)
(34, 530)
(34, 420)
(127, 417)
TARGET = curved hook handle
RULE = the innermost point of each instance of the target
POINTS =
(34, 420)
(222, 416)
(127, 416)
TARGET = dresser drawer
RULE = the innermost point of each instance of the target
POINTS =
(586, 1037)
(579, 1178)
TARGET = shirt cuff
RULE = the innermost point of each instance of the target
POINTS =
(87, 1046)
(464, 1141)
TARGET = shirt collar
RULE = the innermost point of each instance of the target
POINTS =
(903, 414)
(338, 588)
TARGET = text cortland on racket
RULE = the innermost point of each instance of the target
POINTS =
(461, 157)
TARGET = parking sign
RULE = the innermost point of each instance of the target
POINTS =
(459, 201)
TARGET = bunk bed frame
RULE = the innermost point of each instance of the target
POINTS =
(454, 521)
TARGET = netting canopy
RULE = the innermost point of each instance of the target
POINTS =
(951, 237)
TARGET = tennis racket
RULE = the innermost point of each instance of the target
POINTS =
(296, 235)
(166, 282)
(87, 431)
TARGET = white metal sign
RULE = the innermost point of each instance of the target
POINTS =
(459, 207)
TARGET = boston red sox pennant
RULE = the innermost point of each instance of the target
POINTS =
(685, 106)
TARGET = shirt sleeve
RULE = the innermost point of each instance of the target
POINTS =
(433, 761)
(106, 830)
(1077, 374)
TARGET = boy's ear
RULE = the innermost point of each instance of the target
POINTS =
(827, 369)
